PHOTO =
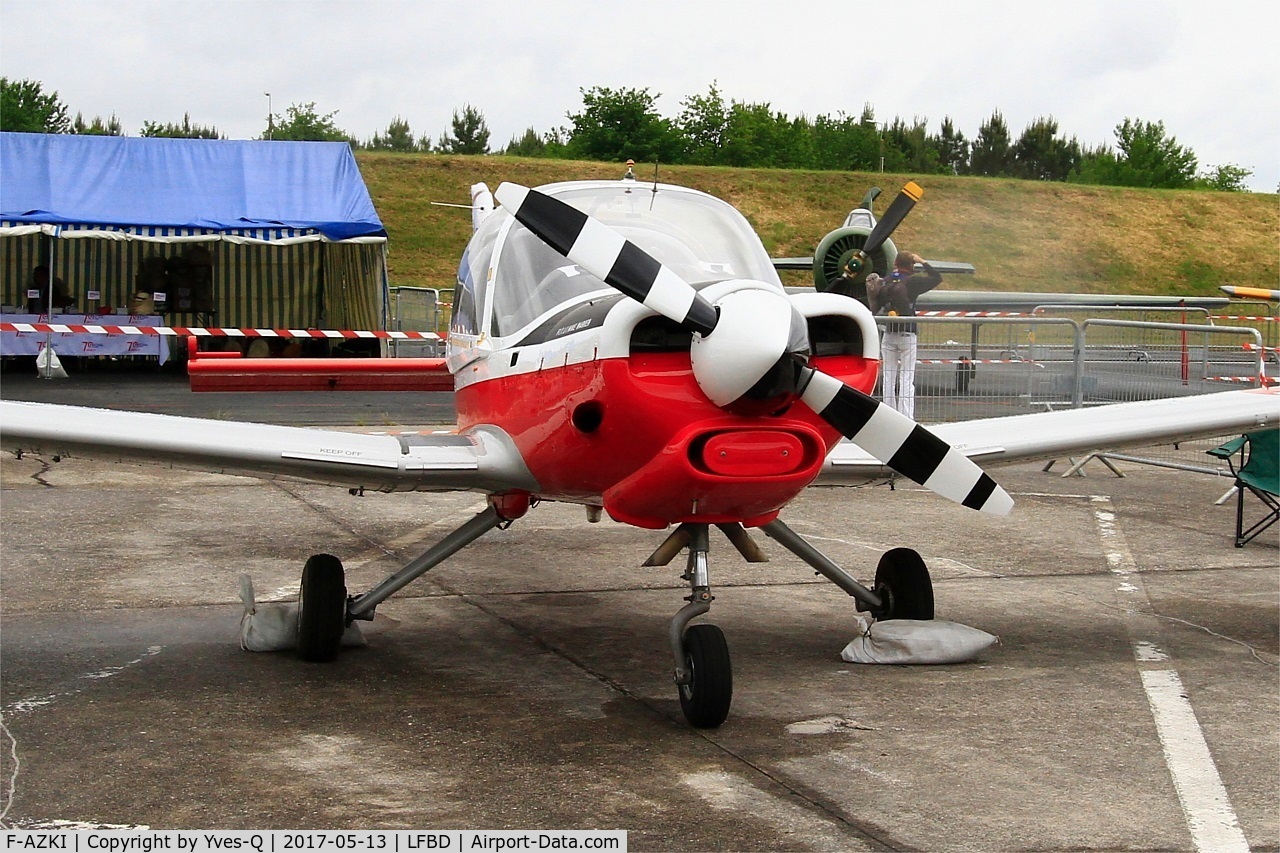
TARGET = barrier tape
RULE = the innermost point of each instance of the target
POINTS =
(1256, 348)
(976, 361)
(1248, 380)
(1235, 317)
(184, 331)
(973, 314)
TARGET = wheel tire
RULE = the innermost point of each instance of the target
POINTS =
(902, 582)
(322, 608)
(706, 698)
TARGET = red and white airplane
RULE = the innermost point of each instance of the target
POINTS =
(630, 348)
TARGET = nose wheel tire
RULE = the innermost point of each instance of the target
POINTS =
(705, 699)
(322, 608)
(902, 582)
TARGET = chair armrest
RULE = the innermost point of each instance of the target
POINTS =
(1231, 448)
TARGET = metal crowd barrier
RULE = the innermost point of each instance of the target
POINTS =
(976, 367)
(414, 309)
(987, 366)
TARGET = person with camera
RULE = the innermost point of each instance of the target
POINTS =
(896, 297)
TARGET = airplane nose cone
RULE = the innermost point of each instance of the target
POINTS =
(750, 364)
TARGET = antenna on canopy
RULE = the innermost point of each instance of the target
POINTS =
(655, 183)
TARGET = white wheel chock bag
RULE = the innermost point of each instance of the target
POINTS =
(274, 627)
(916, 641)
(49, 366)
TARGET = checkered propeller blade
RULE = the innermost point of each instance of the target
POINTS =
(609, 256)
(904, 445)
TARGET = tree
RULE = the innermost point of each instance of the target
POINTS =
(186, 130)
(759, 136)
(1226, 178)
(470, 133)
(846, 143)
(528, 145)
(303, 124)
(1152, 159)
(1144, 157)
(1097, 166)
(953, 149)
(397, 138)
(703, 122)
(1040, 154)
(24, 107)
(909, 148)
(615, 125)
(990, 153)
(97, 127)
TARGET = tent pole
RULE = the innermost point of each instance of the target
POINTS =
(48, 336)
(386, 296)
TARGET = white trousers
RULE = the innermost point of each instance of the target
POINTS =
(898, 380)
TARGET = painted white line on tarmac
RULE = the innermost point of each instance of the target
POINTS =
(1210, 818)
(1205, 805)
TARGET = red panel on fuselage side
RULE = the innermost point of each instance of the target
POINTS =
(630, 412)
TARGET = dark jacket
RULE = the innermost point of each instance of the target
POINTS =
(898, 294)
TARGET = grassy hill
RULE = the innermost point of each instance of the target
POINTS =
(1021, 235)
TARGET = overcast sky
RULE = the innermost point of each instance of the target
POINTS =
(1209, 70)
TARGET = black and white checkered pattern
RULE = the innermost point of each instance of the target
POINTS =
(904, 445)
(607, 255)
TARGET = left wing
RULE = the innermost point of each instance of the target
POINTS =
(1050, 435)
(483, 459)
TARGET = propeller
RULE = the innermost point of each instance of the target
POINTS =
(750, 350)
(860, 260)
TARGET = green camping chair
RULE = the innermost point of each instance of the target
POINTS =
(1259, 473)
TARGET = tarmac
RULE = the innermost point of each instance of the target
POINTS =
(1131, 704)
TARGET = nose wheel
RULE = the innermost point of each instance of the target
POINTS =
(704, 674)
(708, 691)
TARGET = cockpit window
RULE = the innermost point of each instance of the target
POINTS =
(859, 218)
(701, 239)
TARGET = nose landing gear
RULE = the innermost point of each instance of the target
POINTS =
(703, 673)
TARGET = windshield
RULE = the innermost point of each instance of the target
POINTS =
(697, 236)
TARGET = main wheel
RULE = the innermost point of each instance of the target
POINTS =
(322, 608)
(902, 582)
(705, 699)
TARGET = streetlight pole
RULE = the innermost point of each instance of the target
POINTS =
(270, 118)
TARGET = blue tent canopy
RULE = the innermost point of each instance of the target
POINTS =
(196, 186)
(254, 233)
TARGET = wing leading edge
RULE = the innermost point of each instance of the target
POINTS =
(1049, 435)
(480, 460)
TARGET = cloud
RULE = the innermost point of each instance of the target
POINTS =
(1088, 64)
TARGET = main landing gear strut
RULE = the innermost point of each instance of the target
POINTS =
(325, 610)
(703, 671)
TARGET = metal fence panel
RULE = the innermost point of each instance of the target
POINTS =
(414, 309)
(987, 364)
(1127, 360)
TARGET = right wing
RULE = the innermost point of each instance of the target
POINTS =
(483, 459)
(946, 267)
(1052, 435)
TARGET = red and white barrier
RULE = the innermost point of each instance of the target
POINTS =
(186, 331)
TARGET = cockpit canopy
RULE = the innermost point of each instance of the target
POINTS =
(509, 278)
